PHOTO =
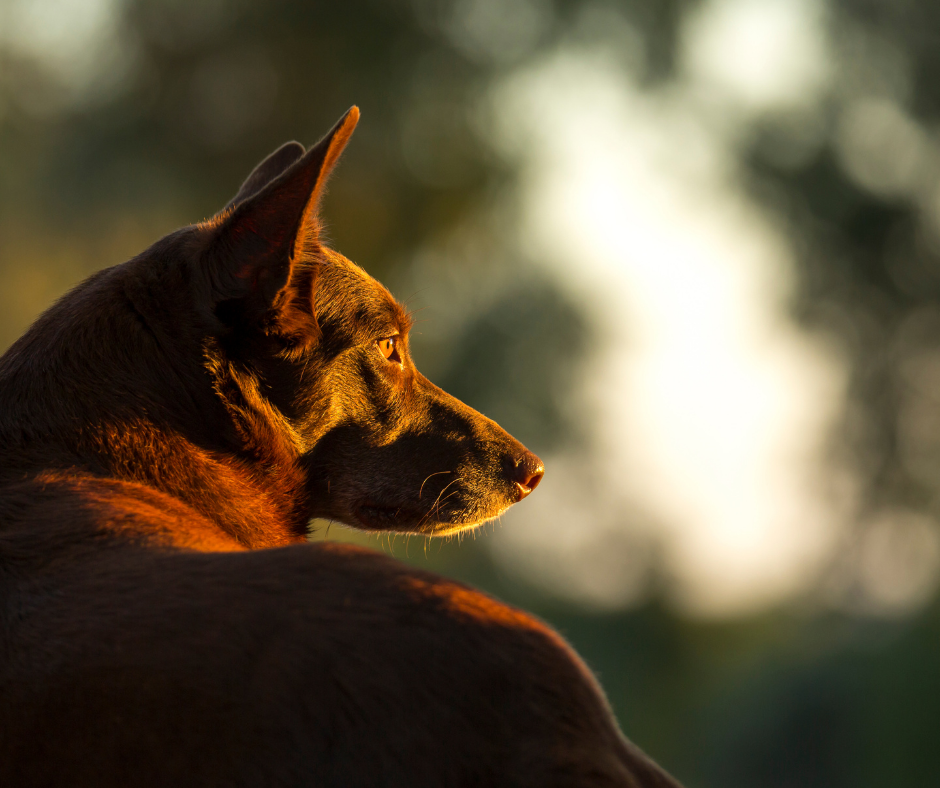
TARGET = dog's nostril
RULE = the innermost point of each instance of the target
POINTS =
(533, 481)
(527, 473)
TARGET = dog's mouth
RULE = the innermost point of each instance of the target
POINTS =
(406, 519)
(382, 518)
(440, 504)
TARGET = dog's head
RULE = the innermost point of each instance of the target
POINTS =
(309, 350)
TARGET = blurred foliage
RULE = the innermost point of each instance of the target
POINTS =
(193, 94)
(868, 236)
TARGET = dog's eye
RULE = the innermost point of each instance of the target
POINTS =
(389, 349)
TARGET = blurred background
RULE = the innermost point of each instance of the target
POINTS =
(688, 251)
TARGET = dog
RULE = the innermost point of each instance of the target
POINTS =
(168, 430)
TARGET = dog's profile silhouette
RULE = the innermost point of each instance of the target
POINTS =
(173, 414)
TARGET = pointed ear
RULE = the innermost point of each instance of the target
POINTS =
(267, 171)
(256, 242)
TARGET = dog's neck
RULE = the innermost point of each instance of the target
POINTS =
(232, 466)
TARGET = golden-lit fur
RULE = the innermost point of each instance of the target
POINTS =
(173, 415)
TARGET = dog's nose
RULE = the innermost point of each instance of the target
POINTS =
(527, 472)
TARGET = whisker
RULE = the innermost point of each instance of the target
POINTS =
(434, 506)
(417, 292)
(436, 473)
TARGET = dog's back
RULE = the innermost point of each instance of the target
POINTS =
(208, 398)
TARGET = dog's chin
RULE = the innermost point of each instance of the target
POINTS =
(403, 519)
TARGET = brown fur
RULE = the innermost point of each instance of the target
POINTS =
(207, 398)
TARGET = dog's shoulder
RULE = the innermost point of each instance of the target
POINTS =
(334, 646)
(71, 514)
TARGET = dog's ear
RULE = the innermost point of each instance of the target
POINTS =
(267, 171)
(256, 242)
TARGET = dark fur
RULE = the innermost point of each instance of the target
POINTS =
(211, 396)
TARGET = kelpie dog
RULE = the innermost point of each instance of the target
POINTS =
(208, 397)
